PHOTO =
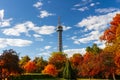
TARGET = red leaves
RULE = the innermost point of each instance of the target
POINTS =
(51, 70)
(30, 66)
(110, 34)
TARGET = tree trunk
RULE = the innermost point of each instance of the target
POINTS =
(113, 76)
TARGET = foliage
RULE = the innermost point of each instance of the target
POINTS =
(30, 67)
(58, 59)
(51, 70)
(68, 72)
(94, 49)
(10, 63)
(24, 60)
(31, 77)
(40, 63)
(107, 64)
(90, 66)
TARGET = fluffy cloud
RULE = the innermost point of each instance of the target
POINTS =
(4, 22)
(106, 10)
(83, 8)
(1, 14)
(45, 13)
(45, 30)
(47, 47)
(66, 28)
(38, 5)
(94, 27)
(84, 5)
(4, 42)
(38, 37)
(70, 52)
(29, 26)
(97, 22)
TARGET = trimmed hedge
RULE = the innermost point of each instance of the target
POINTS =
(31, 77)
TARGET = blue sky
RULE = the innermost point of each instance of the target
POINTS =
(29, 26)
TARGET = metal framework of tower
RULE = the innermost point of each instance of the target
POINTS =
(59, 30)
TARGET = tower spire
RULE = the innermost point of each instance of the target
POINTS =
(59, 23)
(59, 30)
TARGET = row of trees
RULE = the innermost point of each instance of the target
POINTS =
(95, 63)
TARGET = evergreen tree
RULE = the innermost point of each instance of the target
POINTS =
(68, 72)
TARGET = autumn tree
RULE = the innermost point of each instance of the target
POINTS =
(30, 67)
(58, 59)
(40, 63)
(112, 38)
(24, 60)
(51, 70)
(10, 62)
(108, 66)
(90, 66)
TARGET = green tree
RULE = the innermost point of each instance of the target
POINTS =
(24, 60)
(94, 49)
(68, 72)
(40, 63)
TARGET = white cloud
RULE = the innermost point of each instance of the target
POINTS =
(94, 27)
(44, 14)
(70, 52)
(4, 22)
(45, 30)
(1, 14)
(66, 28)
(97, 22)
(4, 42)
(84, 5)
(106, 10)
(47, 47)
(29, 26)
(92, 4)
(83, 8)
(38, 5)
(38, 37)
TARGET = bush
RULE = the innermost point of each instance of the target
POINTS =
(31, 77)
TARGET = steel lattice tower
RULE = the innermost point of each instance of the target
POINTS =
(59, 30)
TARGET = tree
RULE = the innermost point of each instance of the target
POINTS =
(108, 66)
(94, 49)
(30, 67)
(58, 59)
(90, 66)
(51, 70)
(112, 32)
(24, 60)
(76, 60)
(40, 63)
(10, 63)
(68, 72)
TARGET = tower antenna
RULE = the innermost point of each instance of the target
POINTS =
(59, 23)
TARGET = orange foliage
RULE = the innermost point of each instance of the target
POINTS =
(117, 59)
(30, 66)
(111, 33)
(58, 59)
(76, 60)
(51, 70)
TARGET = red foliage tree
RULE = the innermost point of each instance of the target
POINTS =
(51, 70)
(30, 67)
(111, 33)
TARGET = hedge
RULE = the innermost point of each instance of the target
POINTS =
(31, 77)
